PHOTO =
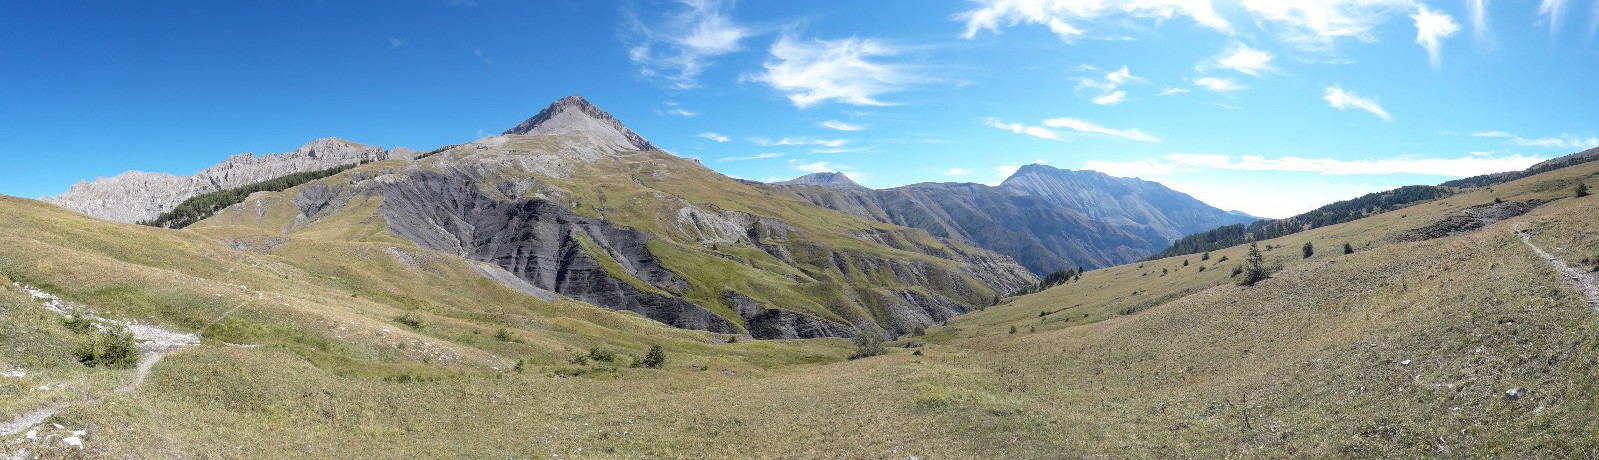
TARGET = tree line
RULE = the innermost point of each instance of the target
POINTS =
(202, 206)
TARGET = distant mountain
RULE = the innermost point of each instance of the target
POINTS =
(1045, 218)
(828, 179)
(137, 196)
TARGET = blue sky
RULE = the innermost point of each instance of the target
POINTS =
(1267, 106)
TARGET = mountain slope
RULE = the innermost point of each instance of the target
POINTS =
(136, 196)
(647, 232)
(1046, 218)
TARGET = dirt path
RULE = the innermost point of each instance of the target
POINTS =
(1582, 280)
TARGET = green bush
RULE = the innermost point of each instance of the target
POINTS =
(409, 321)
(867, 345)
(1308, 250)
(113, 349)
(78, 324)
(1254, 269)
(502, 335)
(1348, 249)
(599, 354)
(655, 359)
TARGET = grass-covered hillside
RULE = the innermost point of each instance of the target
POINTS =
(1404, 348)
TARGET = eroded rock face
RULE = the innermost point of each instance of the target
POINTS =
(136, 196)
(543, 243)
(768, 323)
(1470, 219)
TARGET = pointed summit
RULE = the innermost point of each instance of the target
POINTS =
(575, 115)
(826, 179)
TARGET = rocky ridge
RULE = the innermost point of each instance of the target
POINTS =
(136, 196)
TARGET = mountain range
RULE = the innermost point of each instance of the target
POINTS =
(1046, 218)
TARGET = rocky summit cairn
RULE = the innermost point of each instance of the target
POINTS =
(575, 115)
(825, 179)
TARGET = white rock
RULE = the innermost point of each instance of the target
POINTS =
(73, 441)
(1404, 363)
(33, 435)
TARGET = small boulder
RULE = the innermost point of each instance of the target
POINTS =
(1515, 393)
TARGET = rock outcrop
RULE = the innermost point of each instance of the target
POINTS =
(136, 196)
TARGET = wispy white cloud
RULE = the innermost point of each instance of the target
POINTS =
(1067, 19)
(841, 126)
(681, 112)
(1477, 10)
(1220, 85)
(1432, 26)
(1173, 91)
(1107, 85)
(1148, 167)
(832, 150)
(848, 71)
(957, 172)
(1344, 100)
(1018, 128)
(1112, 98)
(758, 156)
(1469, 165)
(1317, 25)
(1563, 141)
(678, 46)
(1550, 13)
(396, 42)
(765, 142)
(715, 137)
(1240, 58)
(479, 53)
(1084, 126)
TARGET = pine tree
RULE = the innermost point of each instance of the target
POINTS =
(1254, 267)
(1582, 190)
(1309, 250)
(1348, 249)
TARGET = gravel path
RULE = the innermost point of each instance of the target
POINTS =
(1584, 281)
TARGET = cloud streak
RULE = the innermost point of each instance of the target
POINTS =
(1084, 126)
(1240, 58)
(678, 48)
(1341, 99)
(1563, 141)
(842, 126)
(715, 137)
(1432, 26)
(848, 71)
(1466, 166)
(1064, 17)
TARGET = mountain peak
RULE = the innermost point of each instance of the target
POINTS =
(826, 179)
(575, 115)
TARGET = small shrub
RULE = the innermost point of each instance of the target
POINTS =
(78, 324)
(1582, 190)
(1013, 330)
(1308, 250)
(1201, 268)
(732, 339)
(113, 348)
(867, 345)
(918, 352)
(655, 359)
(1348, 249)
(409, 321)
(1205, 256)
(599, 354)
(1237, 270)
(1185, 262)
(502, 335)
(1222, 259)
(521, 364)
(919, 331)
